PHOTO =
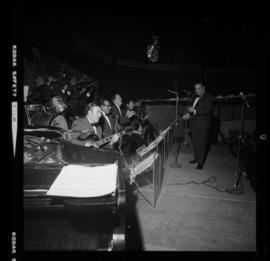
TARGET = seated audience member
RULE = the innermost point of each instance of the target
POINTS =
(52, 86)
(37, 94)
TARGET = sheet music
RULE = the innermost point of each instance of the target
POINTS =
(81, 181)
(163, 133)
(152, 145)
(143, 165)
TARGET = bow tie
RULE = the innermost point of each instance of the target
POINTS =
(94, 125)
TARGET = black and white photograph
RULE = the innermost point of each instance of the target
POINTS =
(135, 133)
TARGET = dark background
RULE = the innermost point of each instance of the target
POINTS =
(225, 54)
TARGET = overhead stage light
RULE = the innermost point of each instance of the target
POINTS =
(153, 49)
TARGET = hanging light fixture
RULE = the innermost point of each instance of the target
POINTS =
(152, 51)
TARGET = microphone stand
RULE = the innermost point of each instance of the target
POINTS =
(238, 187)
(178, 143)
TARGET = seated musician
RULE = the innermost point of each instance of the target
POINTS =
(131, 142)
(107, 121)
(117, 111)
(88, 125)
(57, 107)
(54, 116)
(131, 115)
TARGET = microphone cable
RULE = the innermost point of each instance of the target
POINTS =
(210, 180)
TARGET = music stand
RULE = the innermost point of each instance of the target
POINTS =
(238, 186)
(151, 162)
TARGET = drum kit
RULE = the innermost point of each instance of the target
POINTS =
(33, 109)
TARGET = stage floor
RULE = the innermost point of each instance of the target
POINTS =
(197, 217)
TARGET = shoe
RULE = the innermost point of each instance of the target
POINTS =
(193, 162)
(199, 166)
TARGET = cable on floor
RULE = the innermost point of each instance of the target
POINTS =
(205, 182)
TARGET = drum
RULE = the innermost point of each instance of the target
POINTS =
(30, 110)
(42, 119)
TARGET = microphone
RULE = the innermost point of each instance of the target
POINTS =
(244, 99)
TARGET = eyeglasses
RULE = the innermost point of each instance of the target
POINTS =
(107, 105)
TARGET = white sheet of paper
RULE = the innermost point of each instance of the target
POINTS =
(81, 181)
(152, 145)
(163, 133)
(143, 165)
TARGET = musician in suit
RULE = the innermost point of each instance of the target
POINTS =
(200, 122)
(132, 119)
(131, 143)
(88, 124)
(107, 121)
(117, 111)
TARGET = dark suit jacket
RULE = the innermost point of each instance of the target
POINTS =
(82, 124)
(122, 119)
(106, 129)
(202, 118)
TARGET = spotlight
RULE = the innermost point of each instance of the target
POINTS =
(152, 50)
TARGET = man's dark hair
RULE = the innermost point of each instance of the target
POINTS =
(199, 81)
(101, 101)
(89, 107)
(114, 96)
(129, 100)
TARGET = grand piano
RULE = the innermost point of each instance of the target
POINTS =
(65, 223)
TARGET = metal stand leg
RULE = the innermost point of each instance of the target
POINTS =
(175, 164)
(138, 190)
(238, 188)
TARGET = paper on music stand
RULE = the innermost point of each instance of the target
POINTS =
(80, 181)
(143, 165)
(163, 133)
(152, 145)
(25, 93)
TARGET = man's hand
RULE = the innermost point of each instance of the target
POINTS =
(129, 114)
(190, 109)
(186, 116)
(115, 138)
(87, 144)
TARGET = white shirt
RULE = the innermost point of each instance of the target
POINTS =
(107, 118)
(119, 109)
(195, 101)
(94, 127)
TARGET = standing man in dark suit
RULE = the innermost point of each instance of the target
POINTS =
(200, 122)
